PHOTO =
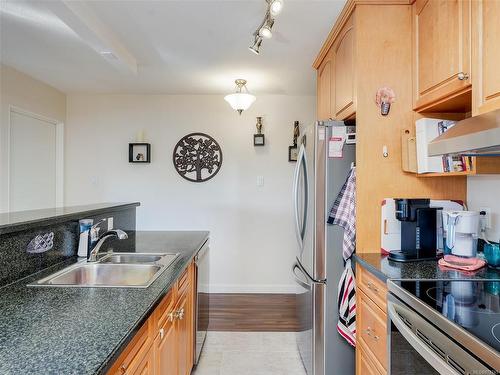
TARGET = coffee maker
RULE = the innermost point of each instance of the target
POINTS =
(418, 230)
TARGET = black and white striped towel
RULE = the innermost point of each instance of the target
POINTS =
(346, 325)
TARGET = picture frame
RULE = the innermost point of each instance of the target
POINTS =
(293, 153)
(139, 152)
(259, 140)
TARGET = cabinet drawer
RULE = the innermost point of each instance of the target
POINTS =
(372, 329)
(373, 287)
(164, 311)
(135, 352)
(184, 279)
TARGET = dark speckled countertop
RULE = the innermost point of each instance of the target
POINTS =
(384, 269)
(47, 330)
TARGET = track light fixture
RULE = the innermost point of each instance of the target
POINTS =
(264, 31)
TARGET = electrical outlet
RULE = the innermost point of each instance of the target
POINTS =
(485, 220)
(260, 181)
(110, 223)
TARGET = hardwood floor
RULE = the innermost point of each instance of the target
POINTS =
(253, 312)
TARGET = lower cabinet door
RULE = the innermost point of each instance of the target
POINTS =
(146, 367)
(166, 349)
(183, 329)
(364, 362)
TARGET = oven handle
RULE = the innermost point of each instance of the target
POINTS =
(427, 353)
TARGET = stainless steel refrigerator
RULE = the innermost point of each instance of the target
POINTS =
(318, 179)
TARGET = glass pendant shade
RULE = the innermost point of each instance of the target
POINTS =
(240, 101)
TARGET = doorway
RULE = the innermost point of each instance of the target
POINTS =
(35, 161)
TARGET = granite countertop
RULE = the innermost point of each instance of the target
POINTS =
(49, 330)
(20, 220)
(384, 269)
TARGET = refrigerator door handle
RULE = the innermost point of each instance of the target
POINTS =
(298, 280)
(300, 231)
(298, 266)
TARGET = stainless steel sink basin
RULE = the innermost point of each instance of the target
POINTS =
(139, 258)
(116, 270)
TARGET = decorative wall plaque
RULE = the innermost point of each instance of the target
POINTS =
(197, 157)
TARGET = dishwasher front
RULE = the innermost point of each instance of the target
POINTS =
(202, 299)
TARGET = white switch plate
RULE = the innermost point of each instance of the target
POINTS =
(260, 181)
(486, 219)
(110, 223)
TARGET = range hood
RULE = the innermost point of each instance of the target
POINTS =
(476, 136)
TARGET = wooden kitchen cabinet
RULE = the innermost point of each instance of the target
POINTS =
(324, 89)
(344, 76)
(486, 55)
(365, 363)
(164, 344)
(371, 323)
(442, 54)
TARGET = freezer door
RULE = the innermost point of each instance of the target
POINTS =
(310, 306)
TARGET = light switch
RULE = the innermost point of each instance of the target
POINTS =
(260, 181)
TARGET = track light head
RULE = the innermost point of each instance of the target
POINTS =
(255, 48)
(275, 7)
(265, 32)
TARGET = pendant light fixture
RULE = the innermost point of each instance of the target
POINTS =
(240, 101)
(264, 31)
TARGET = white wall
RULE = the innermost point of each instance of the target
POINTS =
(252, 236)
(483, 191)
(24, 92)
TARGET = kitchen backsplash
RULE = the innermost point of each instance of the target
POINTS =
(483, 192)
(25, 252)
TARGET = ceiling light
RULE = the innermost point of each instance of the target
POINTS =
(240, 101)
(265, 32)
(275, 7)
(256, 45)
(265, 28)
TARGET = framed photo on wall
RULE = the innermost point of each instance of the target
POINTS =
(139, 153)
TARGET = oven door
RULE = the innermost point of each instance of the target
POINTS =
(416, 346)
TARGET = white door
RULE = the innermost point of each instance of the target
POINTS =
(35, 162)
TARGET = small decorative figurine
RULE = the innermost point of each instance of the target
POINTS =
(258, 139)
(296, 132)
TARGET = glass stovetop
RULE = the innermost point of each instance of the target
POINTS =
(473, 305)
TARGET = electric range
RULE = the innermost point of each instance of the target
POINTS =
(444, 327)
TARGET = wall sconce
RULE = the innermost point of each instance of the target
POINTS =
(258, 139)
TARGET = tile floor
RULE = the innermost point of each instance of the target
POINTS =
(250, 353)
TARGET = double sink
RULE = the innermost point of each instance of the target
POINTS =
(114, 270)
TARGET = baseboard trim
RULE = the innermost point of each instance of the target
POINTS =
(253, 312)
(254, 288)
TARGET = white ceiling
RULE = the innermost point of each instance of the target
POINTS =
(179, 47)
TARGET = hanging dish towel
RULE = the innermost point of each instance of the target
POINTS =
(346, 325)
(343, 213)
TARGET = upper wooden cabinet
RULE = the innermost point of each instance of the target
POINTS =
(486, 55)
(442, 51)
(336, 77)
(324, 88)
(344, 81)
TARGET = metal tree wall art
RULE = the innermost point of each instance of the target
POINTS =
(197, 157)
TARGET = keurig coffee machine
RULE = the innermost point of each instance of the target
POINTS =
(418, 230)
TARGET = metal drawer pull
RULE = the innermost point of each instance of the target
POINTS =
(123, 369)
(180, 314)
(371, 286)
(462, 76)
(162, 333)
(171, 316)
(369, 331)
